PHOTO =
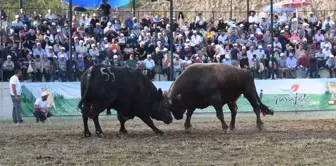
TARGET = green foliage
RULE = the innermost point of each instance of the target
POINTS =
(58, 96)
(138, 3)
(37, 4)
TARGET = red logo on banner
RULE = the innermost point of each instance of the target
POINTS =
(295, 87)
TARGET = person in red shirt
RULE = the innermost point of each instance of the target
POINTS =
(303, 66)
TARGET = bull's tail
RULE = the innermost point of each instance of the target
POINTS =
(88, 78)
(265, 110)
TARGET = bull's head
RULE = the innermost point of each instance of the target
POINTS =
(160, 111)
(175, 105)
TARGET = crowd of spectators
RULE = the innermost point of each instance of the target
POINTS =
(39, 45)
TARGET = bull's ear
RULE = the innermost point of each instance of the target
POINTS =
(179, 97)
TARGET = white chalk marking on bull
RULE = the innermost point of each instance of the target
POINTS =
(105, 73)
(112, 74)
(108, 73)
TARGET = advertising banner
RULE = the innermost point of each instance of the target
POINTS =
(280, 95)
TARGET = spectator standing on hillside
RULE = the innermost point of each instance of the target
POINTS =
(106, 9)
(15, 90)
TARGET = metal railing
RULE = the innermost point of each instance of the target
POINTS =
(188, 15)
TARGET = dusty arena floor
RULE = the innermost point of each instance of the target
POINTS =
(285, 141)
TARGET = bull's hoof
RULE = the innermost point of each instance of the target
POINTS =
(260, 126)
(225, 127)
(87, 134)
(161, 134)
(123, 132)
(100, 134)
(188, 130)
(232, 127)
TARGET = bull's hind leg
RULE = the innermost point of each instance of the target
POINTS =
(252, 98)
(122, 121)
(233, 108)
(187, 124)
(85, 111)
(217, 104)
(99, 131)
(96, 110)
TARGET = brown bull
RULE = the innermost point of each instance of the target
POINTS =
(203, 85)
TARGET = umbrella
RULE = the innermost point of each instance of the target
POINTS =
(277, 8)
(296, 3)
(96, 3)
(80, 9)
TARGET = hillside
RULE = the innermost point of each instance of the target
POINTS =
(221, 9)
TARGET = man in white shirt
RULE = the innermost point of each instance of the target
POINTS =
(177, 67)
(150, 65)
(291, 65)
(94, 52)
(42, 108)
(259, 52)
(251, 52)
(222, 37)
(15, 90)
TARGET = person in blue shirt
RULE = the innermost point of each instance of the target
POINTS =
(129, 22)
(79, 67)
(233, 37)
(132, 40)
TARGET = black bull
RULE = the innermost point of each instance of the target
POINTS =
(203, 85)
(129, 92)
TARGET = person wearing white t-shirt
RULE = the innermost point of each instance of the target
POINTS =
(42, 108)
(15, 90)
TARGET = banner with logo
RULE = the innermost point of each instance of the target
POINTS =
(280, 95)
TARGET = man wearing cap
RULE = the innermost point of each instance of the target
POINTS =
(195, 40)
(8, 68)
(94, 52)
(321, 58)
(81, 49)
(312, 19)
(62, 67)
(54, 68)
(325, 43)
(227, 60)
(39, 51)
(326, 50)
(150, 65)
(42, 108)
(331, 66)
(16, 25)
(50, 53)
(60, 36)
(282, 65)
(15, 91)
(260, 51)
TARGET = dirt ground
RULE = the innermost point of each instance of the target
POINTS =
(303, 141)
